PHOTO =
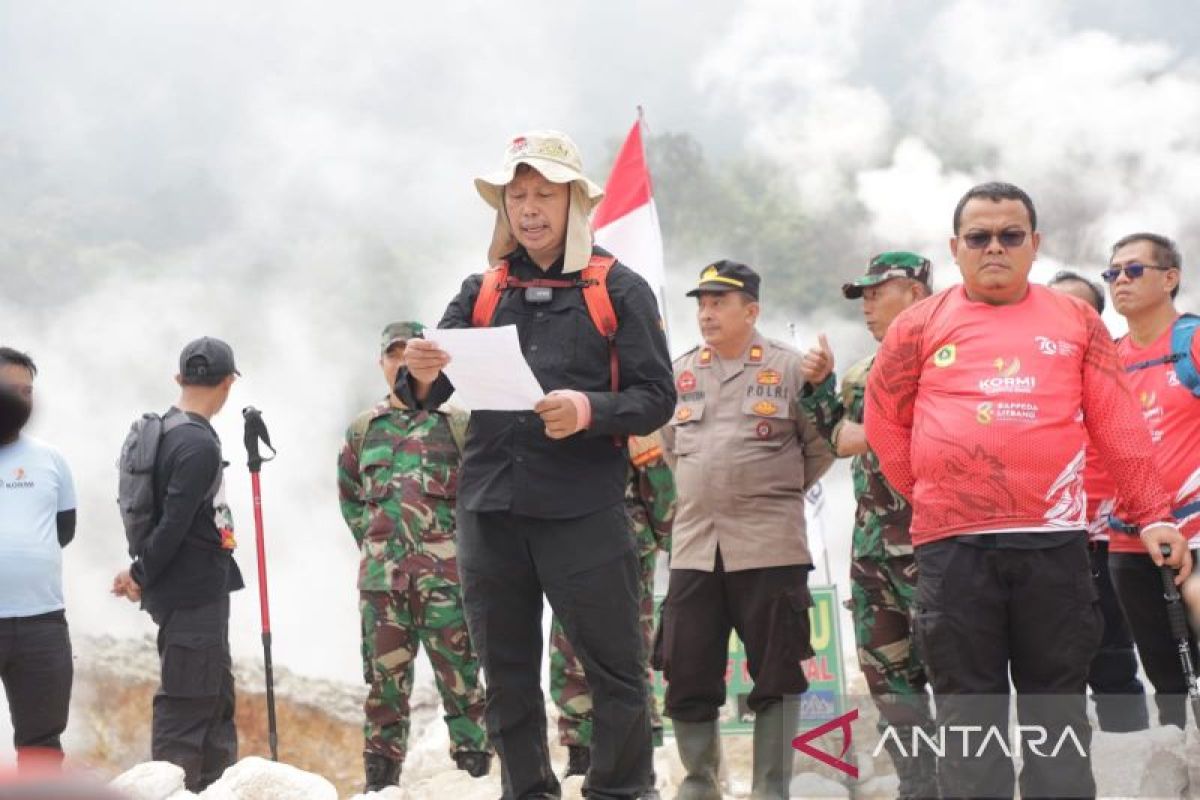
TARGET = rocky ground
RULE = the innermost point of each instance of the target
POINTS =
(320, 745)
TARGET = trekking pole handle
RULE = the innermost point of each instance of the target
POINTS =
(255, 430)
(1176, 614)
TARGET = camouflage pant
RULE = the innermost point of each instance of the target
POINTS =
(394, 625)
(568, 686)
(882, 593)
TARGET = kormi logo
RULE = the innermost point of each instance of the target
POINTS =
(1009, 380)
(1008, 369)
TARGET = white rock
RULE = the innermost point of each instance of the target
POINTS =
(154, 780)
(216, 792)
(572, 788)
(1140, 764)
(450, 784)
(390, 793)
(1192, 757)
(812, 785)
(884, 787)
(259, 779)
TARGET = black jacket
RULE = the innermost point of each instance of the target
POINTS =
(509, 462)
(181, 563)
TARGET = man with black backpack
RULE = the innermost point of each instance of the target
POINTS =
(1159, 355)
(181, 539)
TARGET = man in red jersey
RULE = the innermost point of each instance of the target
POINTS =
(1143, 277)
(979, 408)
(1119, 695)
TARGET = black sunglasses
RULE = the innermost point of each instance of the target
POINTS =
(1132, 271)
(977, 240)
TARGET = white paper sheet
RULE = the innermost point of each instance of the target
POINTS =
(487, 368)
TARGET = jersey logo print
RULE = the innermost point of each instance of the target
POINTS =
(1070, 506)
(1008, 369)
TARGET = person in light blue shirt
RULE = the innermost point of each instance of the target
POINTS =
(37, 520)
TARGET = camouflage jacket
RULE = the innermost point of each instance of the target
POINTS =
(650, 494)
(397, 480)
(882, 516)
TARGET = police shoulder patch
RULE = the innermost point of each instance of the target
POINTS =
(683, 356)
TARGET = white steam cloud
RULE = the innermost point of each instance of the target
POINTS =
(290, 177)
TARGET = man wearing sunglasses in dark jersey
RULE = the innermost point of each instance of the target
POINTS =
(979, 407)
(1143, 278)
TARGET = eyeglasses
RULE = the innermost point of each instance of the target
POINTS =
(1132, 271)
(977, 240)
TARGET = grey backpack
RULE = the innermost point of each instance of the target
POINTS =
(135, 485)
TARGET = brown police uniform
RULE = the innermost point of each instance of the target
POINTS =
(743, 457)
(744, 454)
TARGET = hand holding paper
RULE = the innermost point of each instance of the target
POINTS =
(425, 359)
(486, 366)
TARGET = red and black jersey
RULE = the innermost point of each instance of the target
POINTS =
(980, 415)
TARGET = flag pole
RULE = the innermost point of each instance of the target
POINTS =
(662, 290)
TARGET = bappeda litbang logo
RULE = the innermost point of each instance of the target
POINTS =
(969, 741)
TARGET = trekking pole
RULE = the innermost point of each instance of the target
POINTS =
(1177, 615)
(255, 430)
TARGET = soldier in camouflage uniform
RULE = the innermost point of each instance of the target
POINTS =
(650, 501)
(883, 572)
(397, 476)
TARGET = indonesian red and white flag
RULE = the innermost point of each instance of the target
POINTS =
(626, 222)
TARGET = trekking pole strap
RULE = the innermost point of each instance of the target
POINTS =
(255, 430)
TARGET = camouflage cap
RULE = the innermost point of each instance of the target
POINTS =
(884, 267)
(400, 332)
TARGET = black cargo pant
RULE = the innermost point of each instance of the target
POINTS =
(768, 608)
(193, 724)
(37, 671)
(587, 568)
(1140, 589)
(1119, 696)
(983, 612)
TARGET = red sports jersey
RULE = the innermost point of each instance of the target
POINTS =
(1172, 413)
(978, 413)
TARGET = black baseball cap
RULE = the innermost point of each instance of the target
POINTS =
(207, 361)
(727, 276)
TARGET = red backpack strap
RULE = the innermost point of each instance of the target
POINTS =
(600, 308)
(489, 295)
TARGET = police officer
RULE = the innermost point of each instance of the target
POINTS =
(397, 479)
(744, 455)
(650, 501)
(883, 571)
(540, 506)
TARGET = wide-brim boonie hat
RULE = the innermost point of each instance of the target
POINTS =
(557, 159)
(551, 153)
